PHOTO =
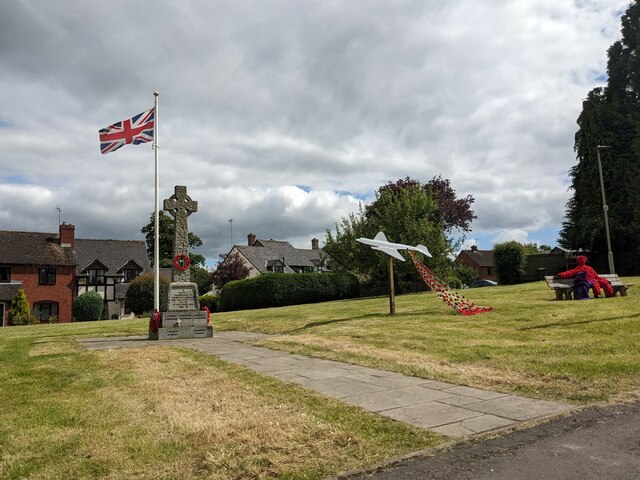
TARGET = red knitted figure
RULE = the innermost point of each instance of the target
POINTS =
(592, 276)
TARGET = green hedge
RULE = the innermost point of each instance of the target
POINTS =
(277, 289)
(210, 301)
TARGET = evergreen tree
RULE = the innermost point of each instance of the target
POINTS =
(201, 277)
(140, 294)
(610, 116)
(509, 260)
(19, 311)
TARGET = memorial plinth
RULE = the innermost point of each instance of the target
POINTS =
(183, 318)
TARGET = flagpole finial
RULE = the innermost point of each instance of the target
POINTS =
(156, 93)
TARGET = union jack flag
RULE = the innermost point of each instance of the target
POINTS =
(136, 130)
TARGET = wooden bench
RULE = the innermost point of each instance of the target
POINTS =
(564, 286)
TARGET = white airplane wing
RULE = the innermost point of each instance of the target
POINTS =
(390, 251)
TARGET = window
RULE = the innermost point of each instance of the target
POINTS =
(130, 274)
(47, 276)
(44, 310)
(5, 274)
(96, 276)
(275, 267)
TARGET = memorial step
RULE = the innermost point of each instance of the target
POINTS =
(174, 333)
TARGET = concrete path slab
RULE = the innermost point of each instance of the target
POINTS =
(453, 410)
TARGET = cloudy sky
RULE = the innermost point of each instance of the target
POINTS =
(283, 115)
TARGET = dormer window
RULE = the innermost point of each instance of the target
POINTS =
(96, 276)
(96, 273)
(275, 266)
(130, 274)
(130, 271)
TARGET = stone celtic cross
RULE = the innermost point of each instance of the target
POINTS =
(180, 206)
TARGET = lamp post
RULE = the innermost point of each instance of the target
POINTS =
(605, 207)
(231, 232)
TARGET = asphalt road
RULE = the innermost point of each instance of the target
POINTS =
(597, 443)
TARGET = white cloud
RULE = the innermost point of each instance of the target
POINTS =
(259, 99)
(514, 234)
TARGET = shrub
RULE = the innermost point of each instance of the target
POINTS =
(276, 289)
(53, 319)
(19, 311)
(88, 307)
(24, 319)
(465, 273)
(139, 296)
(509, 260)
(210, 301)
(453, 281)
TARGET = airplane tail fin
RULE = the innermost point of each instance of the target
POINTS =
(381, 237)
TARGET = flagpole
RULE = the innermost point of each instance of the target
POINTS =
(156, 248)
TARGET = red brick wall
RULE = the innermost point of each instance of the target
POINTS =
(483, 272)
(62, 292)
(466, 260)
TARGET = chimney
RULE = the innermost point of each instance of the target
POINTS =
(474, 248)
(67, 235)
(251, 239)
(314, 244)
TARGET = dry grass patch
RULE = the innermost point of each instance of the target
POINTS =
(220, 425)
(163, 413)
(51, 346)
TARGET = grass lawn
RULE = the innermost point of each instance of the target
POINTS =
(159, 412)
(530, 344)
(164, 412)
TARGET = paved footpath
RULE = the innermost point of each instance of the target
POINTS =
(595, 443)
(445, 408)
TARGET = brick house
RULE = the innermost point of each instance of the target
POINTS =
(53, 269)
(480, 260)
(44, 266)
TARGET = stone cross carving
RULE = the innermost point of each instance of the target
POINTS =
(180, 206)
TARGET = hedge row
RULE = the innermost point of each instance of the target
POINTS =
(277, 289)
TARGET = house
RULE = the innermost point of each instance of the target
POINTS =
(53, 269)
(44, 266)
(480, 260)
(276, 256)
(538, 264)
(107, 267)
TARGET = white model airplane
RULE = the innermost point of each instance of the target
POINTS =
(380, 242)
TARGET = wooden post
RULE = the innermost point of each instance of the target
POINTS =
(392, 293)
